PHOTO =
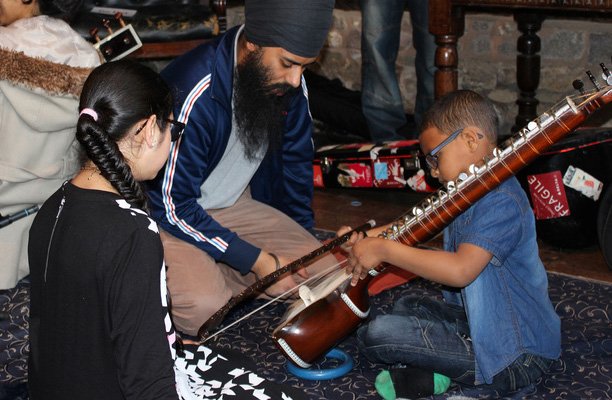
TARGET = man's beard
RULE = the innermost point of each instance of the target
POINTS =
(260, 113)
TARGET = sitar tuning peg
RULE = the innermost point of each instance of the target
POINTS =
(593, 80)
(106, 23)
(606, 75)
(93, 32)
(578, 85)
(119, 17)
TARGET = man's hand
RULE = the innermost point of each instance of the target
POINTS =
(266, 264)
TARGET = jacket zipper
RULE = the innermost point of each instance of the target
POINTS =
(59, 211)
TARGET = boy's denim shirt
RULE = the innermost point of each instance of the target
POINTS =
(507, 305)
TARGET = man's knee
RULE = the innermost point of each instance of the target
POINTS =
(193, 311)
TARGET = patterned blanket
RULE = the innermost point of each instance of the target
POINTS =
(583, 372)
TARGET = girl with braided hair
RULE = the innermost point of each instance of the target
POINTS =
(99, 324)
(97, 316)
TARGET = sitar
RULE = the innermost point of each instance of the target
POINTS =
(306, 335)
(314, 324)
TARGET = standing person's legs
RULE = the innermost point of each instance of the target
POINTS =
(380, 95)
(199, 286)
(422, 333)
(425, 45)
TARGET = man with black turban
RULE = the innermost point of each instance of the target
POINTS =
(234, 201)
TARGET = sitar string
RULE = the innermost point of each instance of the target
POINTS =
(316, 276)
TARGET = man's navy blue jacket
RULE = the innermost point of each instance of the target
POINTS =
(203, 79)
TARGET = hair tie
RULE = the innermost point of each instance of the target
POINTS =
(90, 112)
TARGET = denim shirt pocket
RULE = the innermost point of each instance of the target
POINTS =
(495, 261)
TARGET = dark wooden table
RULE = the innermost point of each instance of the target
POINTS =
(446, 23)
(171, 49)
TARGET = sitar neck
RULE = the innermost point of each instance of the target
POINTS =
(433, 214)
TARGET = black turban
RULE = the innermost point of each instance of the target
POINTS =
(298, 26)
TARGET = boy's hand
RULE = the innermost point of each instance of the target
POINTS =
(363, 256)
(355, 237)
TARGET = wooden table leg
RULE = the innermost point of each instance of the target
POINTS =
(527, 66)
(220, 9)
(446, 23)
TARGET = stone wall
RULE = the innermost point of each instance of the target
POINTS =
(487, 57)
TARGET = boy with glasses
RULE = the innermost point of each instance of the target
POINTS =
(496, 326)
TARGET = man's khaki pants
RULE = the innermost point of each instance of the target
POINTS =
(199, 286)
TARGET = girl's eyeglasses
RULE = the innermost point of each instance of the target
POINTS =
(432, 157)
(176, 129)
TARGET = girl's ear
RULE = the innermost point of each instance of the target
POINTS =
(151, 131)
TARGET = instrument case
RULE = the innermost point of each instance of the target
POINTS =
(565, 187)
(391, 165)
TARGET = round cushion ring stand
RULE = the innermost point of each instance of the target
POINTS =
(324, 374)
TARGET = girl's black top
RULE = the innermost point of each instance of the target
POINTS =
(98, 316)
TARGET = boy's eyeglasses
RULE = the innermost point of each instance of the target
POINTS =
(176, 129)
(432, 157)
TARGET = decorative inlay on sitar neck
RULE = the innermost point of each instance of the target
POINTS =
(431, 216)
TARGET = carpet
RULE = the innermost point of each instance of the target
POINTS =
(583, 372)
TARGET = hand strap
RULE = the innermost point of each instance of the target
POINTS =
(276, 260)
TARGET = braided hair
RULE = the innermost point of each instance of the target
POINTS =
(121, 93)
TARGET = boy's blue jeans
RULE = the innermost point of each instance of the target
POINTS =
(433, 335)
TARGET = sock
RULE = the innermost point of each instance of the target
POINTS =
(410, 382)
